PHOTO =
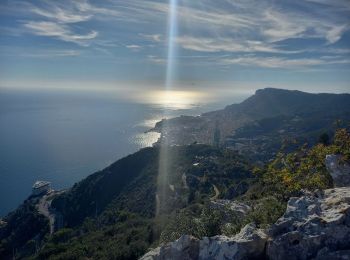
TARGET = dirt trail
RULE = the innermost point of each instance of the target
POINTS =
(43, 208)
(217, 193)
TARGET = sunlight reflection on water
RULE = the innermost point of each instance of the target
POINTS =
(175, 99)
(145, 139)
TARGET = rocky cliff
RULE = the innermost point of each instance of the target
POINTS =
(314, 226)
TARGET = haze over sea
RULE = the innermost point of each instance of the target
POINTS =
(63, 137)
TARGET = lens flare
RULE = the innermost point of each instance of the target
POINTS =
(163, 170)
(172, 34)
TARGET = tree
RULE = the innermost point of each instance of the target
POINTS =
(324, 139)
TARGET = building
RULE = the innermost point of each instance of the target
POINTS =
(41, 187)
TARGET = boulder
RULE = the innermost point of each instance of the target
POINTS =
(186, 247)
(248, 244)
(238, 208)
(339, 171)
(313, 226)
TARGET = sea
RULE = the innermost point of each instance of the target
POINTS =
(63, 136)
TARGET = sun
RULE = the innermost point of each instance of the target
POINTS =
(176, 99)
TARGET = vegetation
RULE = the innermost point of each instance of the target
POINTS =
(112, 213)
(262, 139)
(305, 168)
(24, 229)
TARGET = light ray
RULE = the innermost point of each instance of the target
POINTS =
(163, 170)
(172, 34)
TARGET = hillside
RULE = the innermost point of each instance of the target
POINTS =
(130, 206)
(270, 102)
(209, 192)
(220, 126)
(104, 206)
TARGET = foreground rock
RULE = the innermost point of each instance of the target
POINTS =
(231, 207)
(339, 171)
(248, 244)
(313, 226)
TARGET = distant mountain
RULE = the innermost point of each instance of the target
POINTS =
(265, 103)
(271, 102)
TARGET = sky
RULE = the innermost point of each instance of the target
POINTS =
(232, 45)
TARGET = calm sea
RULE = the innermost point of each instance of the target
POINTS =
(63, 137)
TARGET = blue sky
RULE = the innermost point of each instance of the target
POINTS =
(220, 44)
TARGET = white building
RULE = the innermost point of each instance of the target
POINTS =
(41, 187)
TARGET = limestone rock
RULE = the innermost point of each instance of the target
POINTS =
(186, 247)
(238, 208)
(248, 244)
(313, 223)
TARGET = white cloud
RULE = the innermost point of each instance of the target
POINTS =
(134, 47)
(229, 27)
(281, 63)
(156, 60)
(59, 31)
(152, 37)
(277, 26)
(335, 33)
(52, 53)
(61, 15)
(227, 45)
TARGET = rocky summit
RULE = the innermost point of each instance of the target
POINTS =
(315, 225)
(248, 244)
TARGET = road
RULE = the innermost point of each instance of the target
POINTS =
(44, 208)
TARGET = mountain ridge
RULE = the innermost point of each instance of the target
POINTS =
(268, 102)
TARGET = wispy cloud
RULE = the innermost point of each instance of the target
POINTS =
(59, 31)
(58, 19)
(243, 29)
(152, 37)
(222, 44)
(61, 15)
(134, 47)
(282, 63)
(335, 33)
(52, 53)
(251, 26)
(341, 4)
(32, 52)
(156, 60)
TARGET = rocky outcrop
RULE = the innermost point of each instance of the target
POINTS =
(313, 226)
(248, 244)
(231, 207)
(339, 171)
(186, 248)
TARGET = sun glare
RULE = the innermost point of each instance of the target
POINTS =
(176, 99)
(168, 96)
